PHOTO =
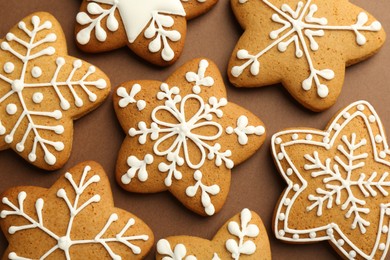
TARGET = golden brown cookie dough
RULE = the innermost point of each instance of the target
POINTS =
(74, 219)
(242, 237)
(305, 45)
(184, 136)
(42, 90)
(153, 29)
(338, 184)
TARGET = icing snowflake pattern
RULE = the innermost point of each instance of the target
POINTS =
(185, 132)
(350, 175)
(37, 47)
(65, 241)
(299, 25)
(239, 238)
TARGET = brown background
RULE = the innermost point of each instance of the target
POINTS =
(256, 184)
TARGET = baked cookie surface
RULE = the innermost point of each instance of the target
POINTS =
(242, 237)
(154, 29)
(305, 45)
(338, 184)
(184, 136)
(42, 90)
(74, 219)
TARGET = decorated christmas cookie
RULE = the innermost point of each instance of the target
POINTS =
(154, 29)
(338, 184)
(74, 219)
(42, 90)
(242, 237)
(305, 45)
(184, 136)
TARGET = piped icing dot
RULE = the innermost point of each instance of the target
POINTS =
(372, 119)
(282, 216)
(295, 236)
(385, 229)
(340, 242)
(9, 67)
(360, 107)
(312, 234)
(378, 138)
(278, 140)
(295, 136)
(346, 115)
(11, 109)
(287, 202)
(296, 187)
(382, 246)
(289, 171)
(37, 97)
(282, 233)
(36, 72)
(336, 127)
(280, 156)
(352, 254)
(309, 137)
(382, 154)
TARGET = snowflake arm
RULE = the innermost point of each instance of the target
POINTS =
(241, 231)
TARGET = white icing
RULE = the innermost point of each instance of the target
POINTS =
(37, 97)
(191, 191)
(345, 160)
(295, 26)
(199, 78)
(64, 241)
(182, 131)
(36, 72)
(129, 98)
(241, 230)
(9, 67)
(40, 30)
(11, 109)
(243, 130)
(178, 253)
(135, 15)
(139, 166)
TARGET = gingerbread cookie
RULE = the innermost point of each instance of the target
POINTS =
(74, 219)
(42, 90)
(305, 45)
(242, 237)
(154, 29)
(184, 136)
(338, 184)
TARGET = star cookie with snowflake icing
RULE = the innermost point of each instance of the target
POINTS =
(305, 45)
(338, 184)
(74, 219)
(42, 90)
(242, 237)
(184, 136)
(154, 29)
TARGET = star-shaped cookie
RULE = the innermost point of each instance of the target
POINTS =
(154, 29)
(74, 219)
(305, 45)
(184, 136)
(42, 90)
(242, 237)
(338, 184)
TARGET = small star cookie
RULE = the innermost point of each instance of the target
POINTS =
(153, 29)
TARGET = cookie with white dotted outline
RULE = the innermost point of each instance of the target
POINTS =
(338, 184)
(42, 90)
